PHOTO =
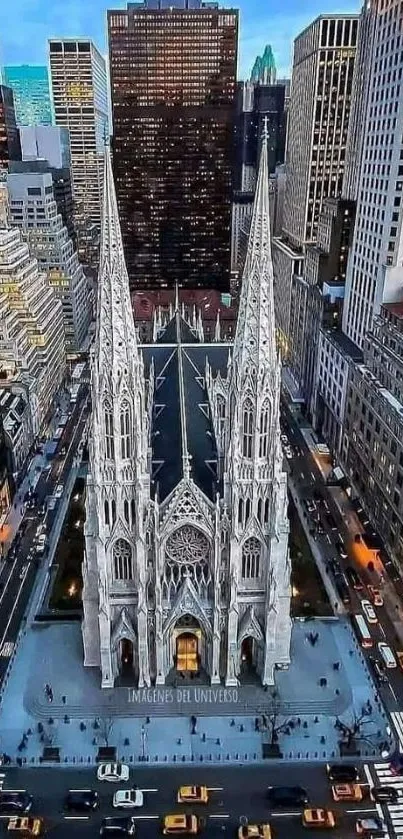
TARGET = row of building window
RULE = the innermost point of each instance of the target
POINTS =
(249, 430)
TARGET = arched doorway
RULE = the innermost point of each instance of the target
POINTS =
(187, 653)
(248, 655)
(126, 657)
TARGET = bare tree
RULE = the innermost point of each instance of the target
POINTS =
(271, 721)
(105, 726)
(352, 732)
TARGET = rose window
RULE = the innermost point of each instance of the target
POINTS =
(187, 554)
(187, 545)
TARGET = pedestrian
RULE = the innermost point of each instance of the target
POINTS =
(64, 699)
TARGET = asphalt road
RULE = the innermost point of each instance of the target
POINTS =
(235, 793)
(308, 478)
(17, 577)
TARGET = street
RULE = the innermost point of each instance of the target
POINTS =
(236, 794)
(18, 571)
(308, 480)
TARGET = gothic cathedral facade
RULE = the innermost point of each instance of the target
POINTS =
(186, 564)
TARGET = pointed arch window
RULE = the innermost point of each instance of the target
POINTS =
(264, 430)
(133, 511)
(247, 429)
(251, 553)
(125, 430)
(266, 510)
(259, 510)
(106, 510)
(240, 511)
(126, 511)
(122, 560)
(248, 507)
(108, 418)
(221, 417)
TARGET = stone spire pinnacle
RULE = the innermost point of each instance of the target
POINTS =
(116, 347)
(254, 346)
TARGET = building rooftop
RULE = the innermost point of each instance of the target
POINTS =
(394, 309)
(344, 344)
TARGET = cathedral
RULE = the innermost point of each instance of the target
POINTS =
(186, 569)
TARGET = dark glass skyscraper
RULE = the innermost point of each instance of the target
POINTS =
(173, 75)
(10, 146)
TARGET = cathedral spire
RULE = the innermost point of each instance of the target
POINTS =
(254, 345)
(116, 342)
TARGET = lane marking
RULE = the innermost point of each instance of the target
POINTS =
(76, 818)
(220, 816)
(80, 790)
(392, 691)
(214, 789)
(369, 810)
(397, 722)
(148, 790)
(143, 818)
(368, 775)
(281, 815)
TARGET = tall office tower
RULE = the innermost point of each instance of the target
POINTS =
(28, 293)
(173, 73)
(79, 91)
(30, 85)
(10, 147)
(34, 210)
(264, 69)
(318, 119)
(374, 272)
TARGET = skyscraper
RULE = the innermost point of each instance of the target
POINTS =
(264, 69)
(374, 271)
(173, 72)
(318, 119)
(79, 90)
(30, 85)
(10, 147)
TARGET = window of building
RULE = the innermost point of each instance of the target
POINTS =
(251, 553)
(110, 447)
(125, 430)
(264, 430)
(122, 560)
(247, 442)
(106, 511)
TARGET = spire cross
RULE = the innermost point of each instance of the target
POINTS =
(265, 134)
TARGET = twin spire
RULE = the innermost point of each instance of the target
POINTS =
(116, 342)
(255, 344)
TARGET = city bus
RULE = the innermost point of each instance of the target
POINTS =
(362, 631)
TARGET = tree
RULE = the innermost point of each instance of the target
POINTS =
(273, 724)
(351, 732)
(105, 726)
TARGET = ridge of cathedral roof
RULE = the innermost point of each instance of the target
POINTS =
(255, 345)
(169, 334)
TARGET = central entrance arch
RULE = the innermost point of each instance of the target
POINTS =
(188, 639)
(126, 657)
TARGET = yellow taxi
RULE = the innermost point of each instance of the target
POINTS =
(26, 826)
(254, 831)
(180, 823)
(192, 795)
(347, 792)
(318, 817)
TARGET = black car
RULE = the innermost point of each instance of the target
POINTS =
(119, 826)
(342, 589)
(287, 796)
(340, 773)
(354, 579)
(15, 802)
(378, 669)
(81, 800)
(331, 521)
(387, 794)
(341, 549)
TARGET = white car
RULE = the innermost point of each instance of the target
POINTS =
(288, 453)
(41, 544)
(128, 798)
(369, 611)
(113, 772)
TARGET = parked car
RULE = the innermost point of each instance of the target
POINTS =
(369, 611)
(378, 669)
(81, 800)
(113, 772)
(354, 579)
(287, 796)
(341, 549)
(343, 773)
(318, 817)
(15, 802)
(370, 826)
(375, 595)
(128, 798)
(388, 795)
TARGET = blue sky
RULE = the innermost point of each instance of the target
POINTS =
(25, 26)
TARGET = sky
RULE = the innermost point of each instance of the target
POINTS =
(25, 26)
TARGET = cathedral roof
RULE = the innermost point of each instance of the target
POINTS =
(180, 398)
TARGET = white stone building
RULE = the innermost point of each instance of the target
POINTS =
(186, 564)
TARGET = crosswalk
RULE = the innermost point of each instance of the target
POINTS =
(385, 778)
(397, 719)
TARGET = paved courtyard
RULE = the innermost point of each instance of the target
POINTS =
(155, 724)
